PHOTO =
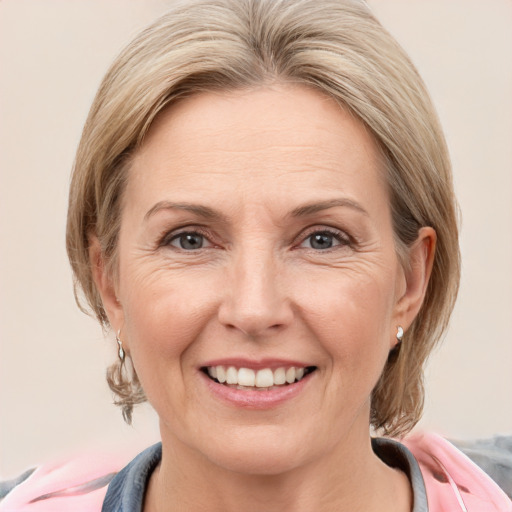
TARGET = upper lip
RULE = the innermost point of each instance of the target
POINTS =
(256, 364)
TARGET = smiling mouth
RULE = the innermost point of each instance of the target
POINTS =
(261, 380)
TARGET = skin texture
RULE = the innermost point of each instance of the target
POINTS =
(258, 288)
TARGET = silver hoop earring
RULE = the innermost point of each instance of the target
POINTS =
(399, 334)
(121, 352)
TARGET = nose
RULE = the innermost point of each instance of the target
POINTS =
(255, 300)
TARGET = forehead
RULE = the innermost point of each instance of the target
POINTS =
(281, 139)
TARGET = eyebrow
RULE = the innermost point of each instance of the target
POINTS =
(312, 208)
(211, 214)
(199, 210)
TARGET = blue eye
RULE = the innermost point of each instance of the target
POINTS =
(188, 241)
(322, 240)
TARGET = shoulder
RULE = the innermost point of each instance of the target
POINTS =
(453, 480)
(494, 456)
(78, 484)
(126, 491)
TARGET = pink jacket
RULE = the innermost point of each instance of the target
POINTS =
(453, 482)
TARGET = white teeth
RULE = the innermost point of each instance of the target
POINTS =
(279, 376)
(221, 373)
(248, 378)
(232, 375)
(290, 375)
(264, 378)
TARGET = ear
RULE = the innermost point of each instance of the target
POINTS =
(417, 272)
(105, 284)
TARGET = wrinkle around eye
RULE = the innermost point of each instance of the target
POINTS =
(348, 253)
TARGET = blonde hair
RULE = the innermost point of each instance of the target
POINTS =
(335, 46)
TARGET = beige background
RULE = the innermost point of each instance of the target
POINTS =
(53, 398)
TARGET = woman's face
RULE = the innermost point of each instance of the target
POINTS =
(256, 237)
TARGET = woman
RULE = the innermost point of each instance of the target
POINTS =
(262, 210)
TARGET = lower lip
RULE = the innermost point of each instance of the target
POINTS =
(249, 399)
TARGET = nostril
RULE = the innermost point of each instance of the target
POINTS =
(255, 332)
(254, 314)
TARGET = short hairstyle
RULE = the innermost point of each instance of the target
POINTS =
(335, 46)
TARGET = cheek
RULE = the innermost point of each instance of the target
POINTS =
(162, 326)
(346, 299)
(351, 314)
(164, 314)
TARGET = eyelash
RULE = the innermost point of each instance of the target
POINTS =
(169, 237)
(343, 238)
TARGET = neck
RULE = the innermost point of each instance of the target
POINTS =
(348, 478)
